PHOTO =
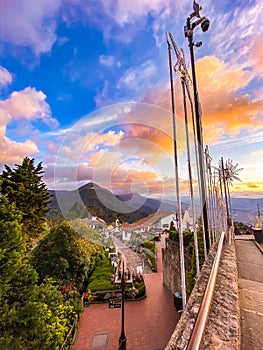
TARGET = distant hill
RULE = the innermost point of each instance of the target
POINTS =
(244, 209)
(93, 200)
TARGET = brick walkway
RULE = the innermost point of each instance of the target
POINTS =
(149, 323)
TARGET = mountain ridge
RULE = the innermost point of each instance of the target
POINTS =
(94, 200)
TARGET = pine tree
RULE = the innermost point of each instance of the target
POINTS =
(18, 309)
(23, 186)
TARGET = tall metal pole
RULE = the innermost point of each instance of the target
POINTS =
(122, 339)
(190, 179)
(179, 210)
(183, 73)
(226, 196)
(199, 140)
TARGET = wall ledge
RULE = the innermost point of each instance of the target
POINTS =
(223, 326)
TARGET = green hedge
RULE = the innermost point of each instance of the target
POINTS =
(100, 279)
(151, 246)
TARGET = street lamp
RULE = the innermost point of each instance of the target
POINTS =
(188, 32)
(122, 339)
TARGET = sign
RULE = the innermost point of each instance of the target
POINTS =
(114, 306)
(115, 303)
(115, 300)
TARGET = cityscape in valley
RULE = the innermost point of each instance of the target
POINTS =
(130, 188)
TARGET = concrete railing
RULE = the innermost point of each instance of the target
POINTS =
(222, 330)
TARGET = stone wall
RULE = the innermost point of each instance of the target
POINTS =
(171, 266)
(223, 327)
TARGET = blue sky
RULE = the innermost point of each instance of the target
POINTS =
(84, 88)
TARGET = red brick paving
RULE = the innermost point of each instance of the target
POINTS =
(149, 323)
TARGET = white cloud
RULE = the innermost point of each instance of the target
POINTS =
(30, 23)
(137, 76)
(233, 32)
(5, 77)
(107, 60)
(127, 11)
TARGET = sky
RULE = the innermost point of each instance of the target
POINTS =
(85, 89)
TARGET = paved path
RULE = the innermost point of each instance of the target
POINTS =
(149, 323)
(250, 281)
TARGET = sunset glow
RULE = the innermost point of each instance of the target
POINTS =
(84, 88)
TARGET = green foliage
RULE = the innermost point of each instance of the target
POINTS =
(77, 211)
(65, 256)
(241, 228)
(189, 245)
(173, 233)
(100, 278)
(58, 313)
(12, 244)
(151, 253)
(188, 237)
(19, 310)
(32, 317)
(85, 231)
(23, 186)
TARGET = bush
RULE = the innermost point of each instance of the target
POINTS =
(100, 278)
(151, 246)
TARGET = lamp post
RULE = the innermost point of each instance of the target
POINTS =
(189, 31)
(122, 339)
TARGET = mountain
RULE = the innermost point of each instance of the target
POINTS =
(93, 200)
(245, 209)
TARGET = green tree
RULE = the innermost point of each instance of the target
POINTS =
(173, 232)
(65, 256)
(32, 317)
(23, 186)
(18, 309)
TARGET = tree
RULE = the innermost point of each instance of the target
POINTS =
(32, 317)
(23, 186)
(65, 256)
(173, 232)
(18, 309)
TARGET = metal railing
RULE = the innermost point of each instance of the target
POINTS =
(197, 335)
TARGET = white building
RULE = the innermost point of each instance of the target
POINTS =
(155, 223)
(96, 223)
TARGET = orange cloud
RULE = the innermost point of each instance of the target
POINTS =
(225, 109)
(251, 187)
(222, 104)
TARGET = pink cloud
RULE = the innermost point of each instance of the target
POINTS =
(28, 104)
(13, 152)
(256, 53)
